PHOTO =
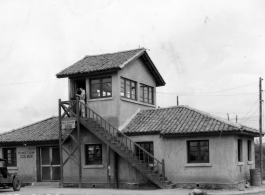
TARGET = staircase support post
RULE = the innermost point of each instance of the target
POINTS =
(60, 145)
(79, 144)
(163, 173)
(108, 166)
(116, 181)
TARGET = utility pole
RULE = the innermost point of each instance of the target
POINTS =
(177, 100)
(260, 127)
(236, 118)
(227, 116)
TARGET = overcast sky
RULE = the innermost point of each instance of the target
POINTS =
(199, 47)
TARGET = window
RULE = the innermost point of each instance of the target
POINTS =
(146, 94)
(239, 150)
(249, 151)
(93, 154)
(10, 155)
(100, 87)
(128, 88)
(198, 151)
(148, 146)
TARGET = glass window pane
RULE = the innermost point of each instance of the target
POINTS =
(193, 156)
(193, 149)
(141, 94)
(45, 156)
(46, 173)
(94, 81)
(106, 80)
(55, 156)
(106, 89)
(128, 90)
(94, 155)
(204, 143)
(193, 143)
(95, 89)
(56, 173)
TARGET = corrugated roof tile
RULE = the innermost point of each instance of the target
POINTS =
(45, 130)
(181, 120)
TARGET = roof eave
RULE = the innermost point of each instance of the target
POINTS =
(87, 73)
(40, 142)
(248, 133)
(159, 79)
(141, 133)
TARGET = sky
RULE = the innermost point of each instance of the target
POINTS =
(210, 53)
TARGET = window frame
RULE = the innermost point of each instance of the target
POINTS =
(125, 88)
(141, 156)
(100, 86)
(240, 150)
(95, 159)
(249, 145)
(142, 94)
(199, 151)
(13, 156)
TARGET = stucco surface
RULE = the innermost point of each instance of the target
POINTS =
(223, 167)
(136, 71)
(89, 173)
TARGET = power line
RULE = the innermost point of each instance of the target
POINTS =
(251, 115)
(27, 82)
(194, 94)
(229, 89)
(223, 89)
(249, 110)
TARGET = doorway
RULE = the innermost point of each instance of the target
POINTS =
(50, 164)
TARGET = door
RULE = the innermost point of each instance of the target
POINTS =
(50, 164)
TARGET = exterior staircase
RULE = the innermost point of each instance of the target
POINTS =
(147, 164)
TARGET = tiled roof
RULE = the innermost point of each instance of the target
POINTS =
(181, 120)
(45, 130)
(109, 62)
(101, 62)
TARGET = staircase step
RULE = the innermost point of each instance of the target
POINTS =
(154, 175)
(170, 186)
(118, 144)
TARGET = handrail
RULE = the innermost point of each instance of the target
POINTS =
(144, 156)
(131, 141)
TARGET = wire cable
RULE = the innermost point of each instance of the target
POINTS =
(27, 82)
(251, 115)
(249, 111)
(224, 89)
(194, 94)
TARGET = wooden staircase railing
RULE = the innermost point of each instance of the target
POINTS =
(141, 159)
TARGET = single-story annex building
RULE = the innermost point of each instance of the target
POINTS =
(124, 140)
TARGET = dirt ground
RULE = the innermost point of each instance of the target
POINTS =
(41, 190)
(48, 190)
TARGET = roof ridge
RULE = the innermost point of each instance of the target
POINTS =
(204, 113)
(142, 48)
(27, 125)
(163, 108)
(215, 117)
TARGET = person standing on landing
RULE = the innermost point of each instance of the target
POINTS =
(82, 97)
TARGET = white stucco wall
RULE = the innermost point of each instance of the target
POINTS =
(223, 167)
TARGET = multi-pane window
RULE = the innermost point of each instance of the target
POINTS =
(93, 154)
(249, 151)
(100, 87)
(198, 151)
(148, 146)
(128, 88)
(10, 155)
(239, 150)
(146, 94)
